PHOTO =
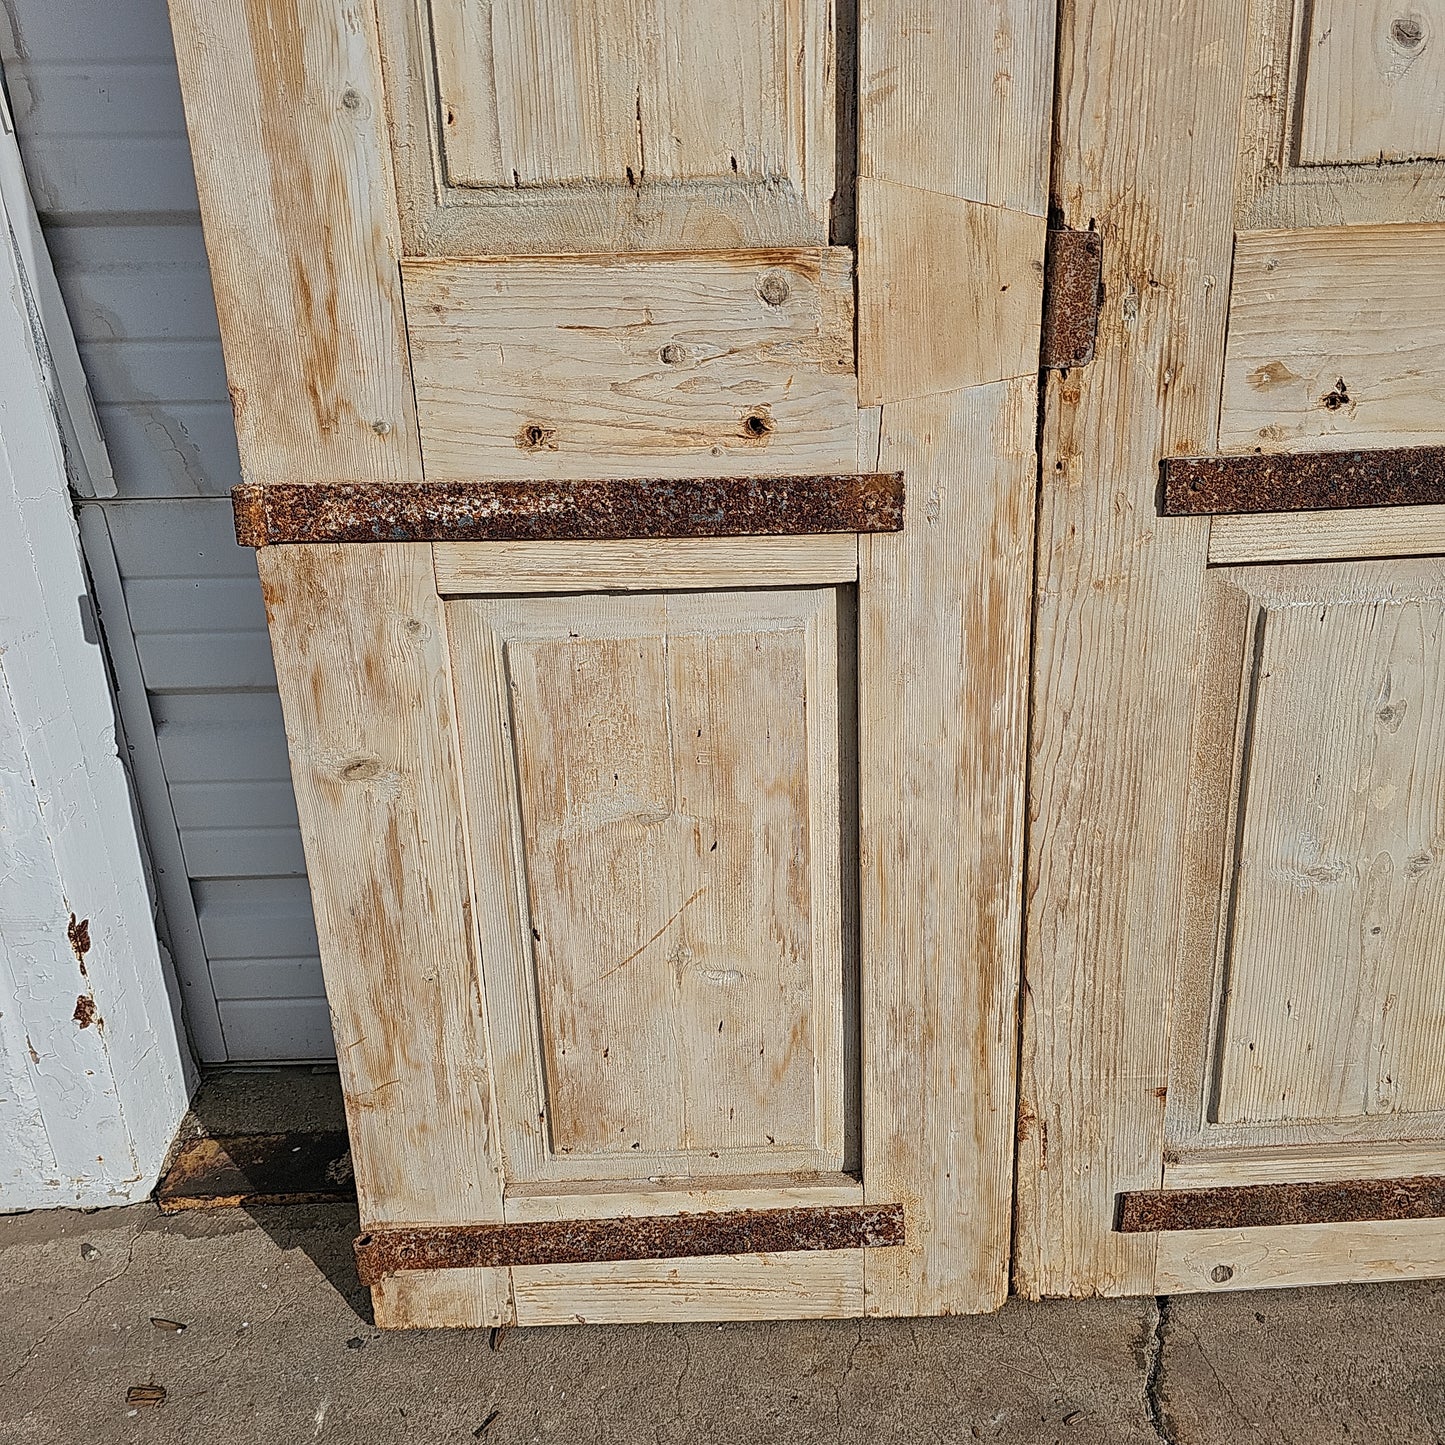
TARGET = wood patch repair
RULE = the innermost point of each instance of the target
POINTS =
(599, 1241)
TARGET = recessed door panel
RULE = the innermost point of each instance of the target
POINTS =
(1331, 1007)
(663, 942)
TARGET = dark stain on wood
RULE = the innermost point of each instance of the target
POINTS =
(634, 507)
(78, 932)
(595, 1241)
(1252, 1206)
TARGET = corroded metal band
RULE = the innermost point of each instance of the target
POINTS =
(1250, 1206)
(537, 511)
(598, 1241)
(1303, 481)
(1073, 291)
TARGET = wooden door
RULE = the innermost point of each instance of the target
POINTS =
(664, 883)
(1234, 986)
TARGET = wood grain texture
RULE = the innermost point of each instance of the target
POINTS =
(614, 366)
(593, 1199)
(1300, 1254)
(362, 666)
(950, 292)
(1334, 1008)
(1375, 70)
(442, 1299)
(942, 819)
(943, 628)
(955, 99)
(1208, 1168)
(1148, 95)
(673, 565)
(1335, 339)
(663, 947)
(1319, 536)
(287, 122)
(730, 1287)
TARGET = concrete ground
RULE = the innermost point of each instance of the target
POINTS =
(277, 1347)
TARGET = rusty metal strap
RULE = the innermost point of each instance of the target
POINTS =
(1250, 1206)
(536, 511)
(1303, 481)
(597, 1241)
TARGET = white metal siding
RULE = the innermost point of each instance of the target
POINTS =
(97, 106)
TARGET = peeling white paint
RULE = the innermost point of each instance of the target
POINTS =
(93, 1075)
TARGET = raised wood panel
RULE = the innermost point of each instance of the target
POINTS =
(1336, 339)
(1272, 188)
(607, 366)
(826, 1285)
(654, 788)
(542, 127)
(558, 92)
(676, 564)
(1374, 77)
(1334, 1009)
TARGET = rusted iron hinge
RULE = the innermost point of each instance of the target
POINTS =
(1073, 295)
(1303, 481)
(1250, 1206)
(598, 1241)
(527, 511)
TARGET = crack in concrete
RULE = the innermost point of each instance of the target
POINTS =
(843, 1380)
(90, 1294)
(1155, 1391)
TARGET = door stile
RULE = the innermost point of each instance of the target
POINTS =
(954, 119)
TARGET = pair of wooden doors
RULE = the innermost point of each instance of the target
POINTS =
(658, 509)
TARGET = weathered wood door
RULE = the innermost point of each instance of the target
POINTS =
(1234, 972)
(655, 876)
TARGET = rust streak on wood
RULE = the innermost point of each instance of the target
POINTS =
(525, 511)
(1303, 481)
(1251, 1206)
(595, 1241)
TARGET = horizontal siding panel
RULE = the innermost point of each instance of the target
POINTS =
(137, 283)
(267, 979)
(97, 97)
(249, 918)
(274, 1030)
(209, 661)
(195, 538)
(73, 177)
(220, 737)
(180, 372)
(196, 604)
(246, 804)
(89, 30)
(172, 449)
(242, 852)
